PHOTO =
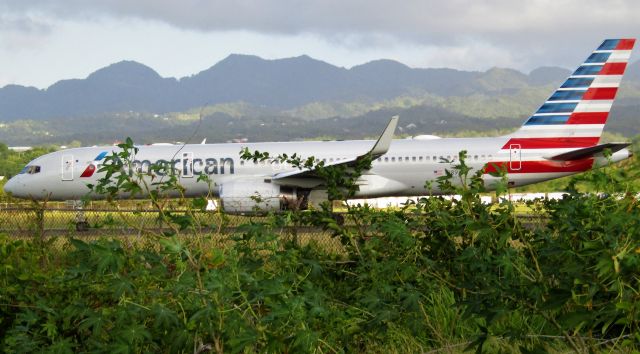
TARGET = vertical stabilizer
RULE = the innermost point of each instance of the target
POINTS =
(575, 115)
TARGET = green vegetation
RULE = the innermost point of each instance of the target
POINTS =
(487, 112)
(437, 275)
(11, 162)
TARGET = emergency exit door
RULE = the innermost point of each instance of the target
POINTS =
(515, 161)
(67, 167)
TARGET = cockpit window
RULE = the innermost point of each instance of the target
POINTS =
(30, 169)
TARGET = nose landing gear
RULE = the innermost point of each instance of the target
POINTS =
(80, 218)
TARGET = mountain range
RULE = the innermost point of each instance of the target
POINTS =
(279, 84)
(246, 97)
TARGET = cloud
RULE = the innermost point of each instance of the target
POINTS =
(24, 24)
(20, 32)
(518, 25)
(467, 34)
(428, 19)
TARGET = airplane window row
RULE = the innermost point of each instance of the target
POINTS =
(436, 158)
(277, 162)
(439, 158)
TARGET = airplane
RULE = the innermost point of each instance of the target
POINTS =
(561, 138)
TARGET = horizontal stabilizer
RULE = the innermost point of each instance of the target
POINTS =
(588, 152)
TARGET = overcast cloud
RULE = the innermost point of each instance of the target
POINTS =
(465, 34)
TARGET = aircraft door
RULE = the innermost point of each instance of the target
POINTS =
(67, 167)
(187, 165)
(515, 161)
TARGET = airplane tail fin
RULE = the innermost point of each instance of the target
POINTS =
(575, 115)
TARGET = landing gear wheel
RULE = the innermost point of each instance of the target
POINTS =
(82, 226)
(339, 218)
(81, 219)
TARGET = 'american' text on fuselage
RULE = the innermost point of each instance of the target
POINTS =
(185, 167)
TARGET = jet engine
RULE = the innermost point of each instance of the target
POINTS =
(258, 197)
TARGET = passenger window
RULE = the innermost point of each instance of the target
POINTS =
(386, 159)
(393, 159)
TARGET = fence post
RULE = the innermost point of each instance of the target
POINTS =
(39, 209)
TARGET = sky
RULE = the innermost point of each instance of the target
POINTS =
(43, 41)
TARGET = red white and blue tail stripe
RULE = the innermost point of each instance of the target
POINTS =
(575, 115)
(572, 118)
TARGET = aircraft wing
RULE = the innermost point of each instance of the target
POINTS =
(379, 148)
(588, 152)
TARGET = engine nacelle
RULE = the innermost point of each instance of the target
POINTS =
(258, 197)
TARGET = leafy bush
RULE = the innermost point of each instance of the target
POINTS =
(438, 274)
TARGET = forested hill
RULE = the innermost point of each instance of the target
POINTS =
(245, 97)
(279, 84)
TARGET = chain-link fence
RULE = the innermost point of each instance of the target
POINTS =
(58, 223)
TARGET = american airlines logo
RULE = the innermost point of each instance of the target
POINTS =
(185, 166)
(91, 169)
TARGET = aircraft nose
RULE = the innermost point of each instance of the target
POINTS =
(10, 186)
(13, 187)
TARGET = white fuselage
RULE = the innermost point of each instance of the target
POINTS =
(403, 171)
